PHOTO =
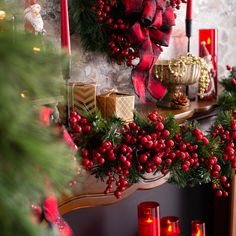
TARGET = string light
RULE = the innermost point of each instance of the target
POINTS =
(36, 49)
(2, 15)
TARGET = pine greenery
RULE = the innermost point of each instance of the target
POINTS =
(31, 155)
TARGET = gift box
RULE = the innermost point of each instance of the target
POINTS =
(82, 96)
(116, 104)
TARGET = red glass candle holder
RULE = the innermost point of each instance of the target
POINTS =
(148, 219)
(198, 228)
(170, 226)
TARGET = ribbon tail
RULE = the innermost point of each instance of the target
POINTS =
(139, 84)
(156, 88)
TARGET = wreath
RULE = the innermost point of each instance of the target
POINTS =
(122, 154)
(130, 32)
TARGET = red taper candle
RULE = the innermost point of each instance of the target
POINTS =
(65, 28)
(189, 12)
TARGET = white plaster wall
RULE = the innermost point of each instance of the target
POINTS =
(220, 14)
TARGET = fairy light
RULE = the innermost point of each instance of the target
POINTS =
(2, 15)
(36, 49)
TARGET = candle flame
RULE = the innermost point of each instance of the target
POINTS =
(36, 50)
(149, 220)
(198, 233)
(2, 15)
(169, 229)
(208, 41)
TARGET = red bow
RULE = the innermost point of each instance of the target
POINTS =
(151, 30)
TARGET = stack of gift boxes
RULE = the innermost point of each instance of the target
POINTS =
(83, 98)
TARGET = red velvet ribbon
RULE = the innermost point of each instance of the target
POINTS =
(151, 31)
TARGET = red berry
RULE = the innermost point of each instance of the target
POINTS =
(101, 160)
(168, 161)
(85, 162)
(77, 129)
(106, 145)
(205, 140)
(217, 167)
(225, 193)
(215, 174)
(233, 81)
(185, 167)
(86, 129)
(152, 117)
(170, 143)
(142, 158)
(213, 186)
(83, 121)
(165, 133)
(127, 164)
(143, 140)
(73, 121)
(117, 194)
(84, 153)
(229, 151)
(183, 147)
(149, 144)
(159, 126)
(219, 193)
(140, 167)
(110, 21)
(223, 179)
(172, 155)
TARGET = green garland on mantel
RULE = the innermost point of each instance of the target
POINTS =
(121, 154)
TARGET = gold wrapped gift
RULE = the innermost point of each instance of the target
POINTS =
(116, 104)
(82, 96)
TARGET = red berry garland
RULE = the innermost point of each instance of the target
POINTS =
(157, 144)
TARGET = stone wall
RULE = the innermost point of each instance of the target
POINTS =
(207, 14)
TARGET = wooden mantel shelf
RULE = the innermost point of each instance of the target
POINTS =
(91, 192)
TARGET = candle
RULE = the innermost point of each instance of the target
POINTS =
(170, 226)
(198, 228)
(189, 10)
(148, 219)
(65, 29)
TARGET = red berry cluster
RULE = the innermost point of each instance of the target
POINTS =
(116, 160)
(103, 9)
(176, 3)
(79, 124)
(119, 45)
(227, 138)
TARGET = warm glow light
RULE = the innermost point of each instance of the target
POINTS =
(2, 15)
(209, 41)
(23, 94)
(149, 220)
(169, 229)
(36, 50)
